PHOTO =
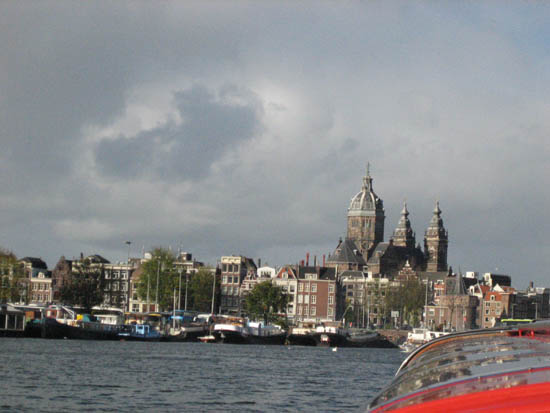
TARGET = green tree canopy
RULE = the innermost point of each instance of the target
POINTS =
(199, 294)
(12, 278)
(266, 299)
(85, 288)
(159, 275)
(408, 298)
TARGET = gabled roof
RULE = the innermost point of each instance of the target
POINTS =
(346, 252)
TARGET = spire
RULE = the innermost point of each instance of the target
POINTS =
(403, 234)
(367, 180)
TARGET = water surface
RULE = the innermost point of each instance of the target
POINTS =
(75, 375)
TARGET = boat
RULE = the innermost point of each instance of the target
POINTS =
(366, 338)
(12, 321)
(139, 332)
(190, 331)
(499, 370)
(330, 335)
(61, 322)
(231, 330)
(260, 333)
(422, 335)
(302, 335)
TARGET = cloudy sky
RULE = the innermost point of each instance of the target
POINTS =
(245, 127)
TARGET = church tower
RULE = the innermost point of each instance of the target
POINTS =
(366, 218)
(403, 236)
(435, 243)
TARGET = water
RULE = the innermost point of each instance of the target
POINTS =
(74, 375)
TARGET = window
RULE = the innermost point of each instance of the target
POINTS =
(224, 280)
(299, 310)
(330, 312)
(306, 287)
(313, 299)
(314, 287)
(285, 274)
(331, 288)
(300, 299)
(350, 293)
(305, 310)
(291, 288)
(492, 298)
(313, 311)
(331, 299)
(431, 311)
(306, 299)
(224, 267)
(300, 287)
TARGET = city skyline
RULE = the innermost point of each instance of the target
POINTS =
(246, 128)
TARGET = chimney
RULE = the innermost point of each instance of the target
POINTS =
(323, 260)
(302, 263)
(315, 260)
(307, 259)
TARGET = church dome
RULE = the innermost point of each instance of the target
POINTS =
(365, 202)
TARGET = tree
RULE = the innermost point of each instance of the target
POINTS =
(85, 287)
(407, 298)
(265, 300)
(12, 278)
(200, 290)
(159, 276)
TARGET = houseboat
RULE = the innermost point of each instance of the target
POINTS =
(138, 332)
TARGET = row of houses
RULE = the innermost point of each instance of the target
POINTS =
(316, 293)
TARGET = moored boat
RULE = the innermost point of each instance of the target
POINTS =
(231, 330)
(139, 332)
(497, 370)
(302, 336)
(259, 333)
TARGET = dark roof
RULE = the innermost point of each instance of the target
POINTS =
(324, 273)
(378, 252)
(98, 259)
(360, 275)
(35, 262)
(347, 252)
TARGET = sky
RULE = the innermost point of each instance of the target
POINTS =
(223, 128)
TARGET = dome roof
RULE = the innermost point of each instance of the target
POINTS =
(365, 201)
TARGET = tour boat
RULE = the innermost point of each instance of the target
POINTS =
(12, 321)
(497, 370)
(302, 335)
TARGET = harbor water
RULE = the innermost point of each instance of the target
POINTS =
(75, 375)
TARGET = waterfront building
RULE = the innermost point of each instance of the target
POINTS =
(287, 279)
(317, 295)
(234, 269)
(116, 285)
(41, 288)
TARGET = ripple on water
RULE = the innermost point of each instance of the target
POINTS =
(96, 376)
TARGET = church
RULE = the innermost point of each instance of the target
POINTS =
(364, 248)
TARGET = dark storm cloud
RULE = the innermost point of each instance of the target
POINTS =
(212, 123)
(246, 127)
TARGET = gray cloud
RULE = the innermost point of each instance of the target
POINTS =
(246, 128)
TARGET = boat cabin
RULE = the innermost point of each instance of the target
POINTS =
(12, 321)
